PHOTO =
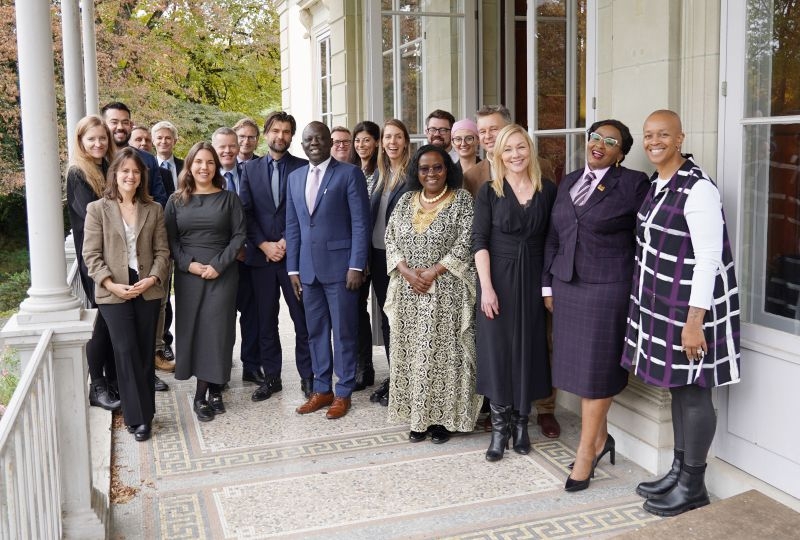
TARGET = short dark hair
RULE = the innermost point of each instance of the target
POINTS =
(111, 190)
(453, 180)
(627, 139)
(279, 116)
(118, 105)
(343, 129)
(441, 115)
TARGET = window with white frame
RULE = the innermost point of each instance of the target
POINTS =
(324, 100)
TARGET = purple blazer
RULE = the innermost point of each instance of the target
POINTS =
(596, 241)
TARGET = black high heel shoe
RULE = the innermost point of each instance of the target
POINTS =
(609, 446)
(580, 485)
(519, 433)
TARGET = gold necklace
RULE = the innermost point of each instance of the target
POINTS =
(432, 199)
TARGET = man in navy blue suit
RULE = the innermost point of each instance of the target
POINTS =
(327, 235)
(263, 194)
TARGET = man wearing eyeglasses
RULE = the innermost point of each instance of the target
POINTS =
(342, 140)
(247, 135)
(438, 128)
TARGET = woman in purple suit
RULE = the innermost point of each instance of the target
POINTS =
(589, 265)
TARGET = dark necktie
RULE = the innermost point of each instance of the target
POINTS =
(229, 178)
(583, 191)
(276, 184)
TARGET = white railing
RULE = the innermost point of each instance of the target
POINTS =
(30, 494)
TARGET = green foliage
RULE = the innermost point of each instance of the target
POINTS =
(9, 375)
(13, 290)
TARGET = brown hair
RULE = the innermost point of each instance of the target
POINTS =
(384, 165)
(81, 159)
(111, 191)
(186, 181)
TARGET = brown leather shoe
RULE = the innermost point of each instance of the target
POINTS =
(315, 402)
(162, 364)
(550, 426)
(487, 423)
(338, 408)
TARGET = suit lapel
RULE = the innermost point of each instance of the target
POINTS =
(141, 216)
(323, 186)
(299, 189)
(115, 217)
(609, 181)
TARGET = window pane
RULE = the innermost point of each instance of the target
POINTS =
(773, 71)
(552, 8)
(564, 154)
(411, 80)
(551, 71)
(420, 6)
(770, 256)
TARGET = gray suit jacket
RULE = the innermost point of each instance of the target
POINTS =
(105, 248)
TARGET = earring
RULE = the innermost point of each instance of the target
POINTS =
(617, 163)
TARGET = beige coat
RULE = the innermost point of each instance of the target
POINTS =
(105, 248)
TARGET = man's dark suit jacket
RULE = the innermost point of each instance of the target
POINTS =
(156, 182)
(266, 220)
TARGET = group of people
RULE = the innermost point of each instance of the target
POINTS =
(466, 259)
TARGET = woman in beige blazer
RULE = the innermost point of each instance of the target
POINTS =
(126, 252)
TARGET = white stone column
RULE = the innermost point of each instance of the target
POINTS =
(89, 57)
(49, 298)
(73, 68)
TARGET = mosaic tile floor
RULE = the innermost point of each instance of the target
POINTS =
(262, 471)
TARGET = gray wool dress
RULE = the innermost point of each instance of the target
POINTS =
(208, 229)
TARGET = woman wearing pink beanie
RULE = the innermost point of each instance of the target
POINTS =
(465, 141)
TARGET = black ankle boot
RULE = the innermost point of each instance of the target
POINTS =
(365, 374)
(689, 493)
(100, 397)
(519, 433)
(662, 486)
(501, 418)
(381, 393)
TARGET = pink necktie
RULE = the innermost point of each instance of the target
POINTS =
(311, 196)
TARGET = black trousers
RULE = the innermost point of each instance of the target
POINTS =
(99, 350)
(364, 326)
(380, 284)
(132, 325)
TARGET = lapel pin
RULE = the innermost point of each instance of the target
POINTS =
(601, 187)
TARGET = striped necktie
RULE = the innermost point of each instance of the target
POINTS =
(583, 191)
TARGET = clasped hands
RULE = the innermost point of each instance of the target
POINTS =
(129, 292)
(420, 279)
(205, 271)
(274, 251)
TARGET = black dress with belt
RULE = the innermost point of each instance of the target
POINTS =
(513, 366)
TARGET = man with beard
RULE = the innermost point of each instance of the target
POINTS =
(117, 117)
(438, 127)
(263, 195)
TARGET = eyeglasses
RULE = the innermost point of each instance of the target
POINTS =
(248, 137)
(608, 141)
(435, 169)
(345, 142)
(434, 131)
(469, 139)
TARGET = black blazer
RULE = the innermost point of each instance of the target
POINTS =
(375, 201)
(266, 218)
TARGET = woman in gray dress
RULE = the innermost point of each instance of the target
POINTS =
(206, 228)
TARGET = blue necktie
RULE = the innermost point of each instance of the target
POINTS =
(231, 185)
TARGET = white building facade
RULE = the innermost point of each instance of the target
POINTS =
(729, 67)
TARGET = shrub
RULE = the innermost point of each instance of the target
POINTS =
(9, 376)
(13, 290)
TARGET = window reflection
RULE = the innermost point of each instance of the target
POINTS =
(563, 154)
(771, 225)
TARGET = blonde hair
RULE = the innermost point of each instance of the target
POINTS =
(84, 162)
(384, 165)
(499, 168)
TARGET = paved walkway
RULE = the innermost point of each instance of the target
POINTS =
(262, 471)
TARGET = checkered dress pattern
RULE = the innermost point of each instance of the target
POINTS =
(660, 296)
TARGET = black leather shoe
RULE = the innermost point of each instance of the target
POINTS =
(364, 379)
(142, 432)
(265, 391)
(307, 386)
(439, 434)
(203, 410)
(167, 353)
(383, 390)
(215, 400)
(161, 386)
(253, 376)
(385, 400)
(417, 436)
(132, 429)
(99, 396)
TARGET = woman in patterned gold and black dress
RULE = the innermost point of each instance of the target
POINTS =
(431, 302)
